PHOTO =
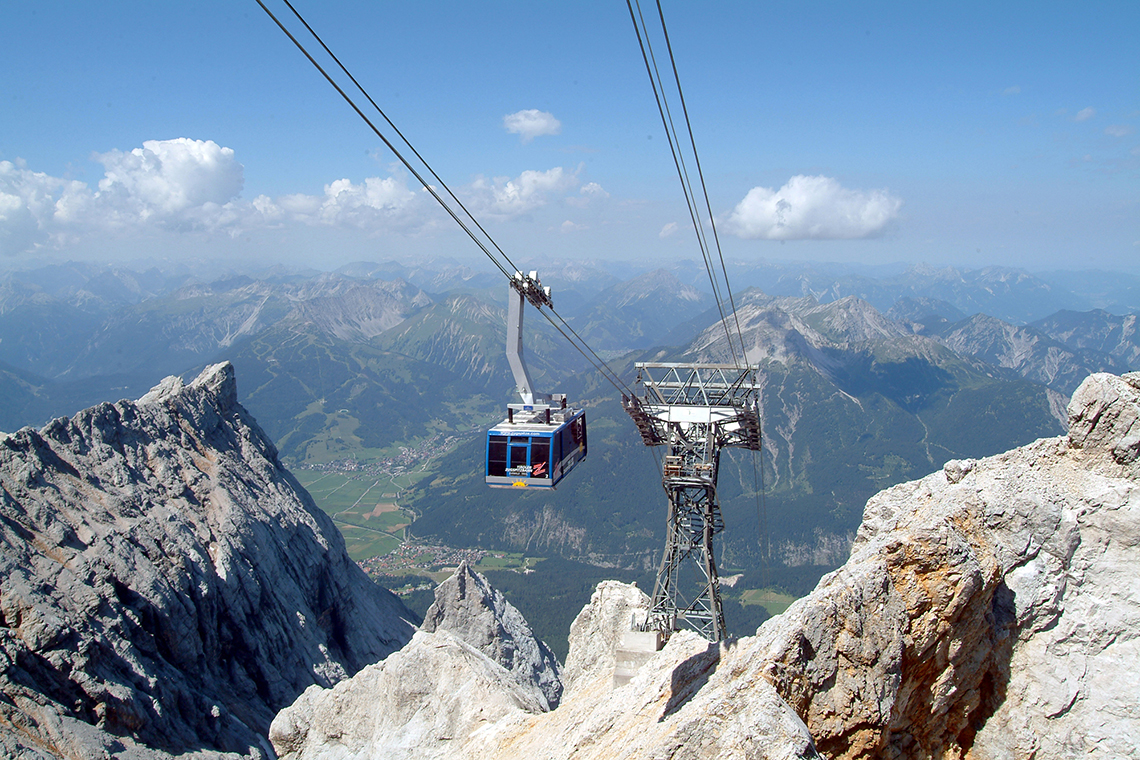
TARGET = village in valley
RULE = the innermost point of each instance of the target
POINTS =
(362, 496)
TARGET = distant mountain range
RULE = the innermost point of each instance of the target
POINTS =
(1012, 295)
(852, 402)
(868, 378)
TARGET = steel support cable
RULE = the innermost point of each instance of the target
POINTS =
(674, 139)
(612, 376)
(608, 373)
(674, 145)
(701, 176)
(757, 473)
(385, 140)
(687, 187)
(396, 129)
(658, 85)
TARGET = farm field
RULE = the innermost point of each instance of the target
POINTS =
(772, 601)
(364, 507)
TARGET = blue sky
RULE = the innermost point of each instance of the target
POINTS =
(962, 134)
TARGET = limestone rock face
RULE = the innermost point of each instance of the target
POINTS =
(989, 610)
(474, 661)
(596, 633)
(440, 698)
(166, 586)
(1104, 418)
(467, 606)
(422, 702)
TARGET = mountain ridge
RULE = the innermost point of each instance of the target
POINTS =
(166, 584)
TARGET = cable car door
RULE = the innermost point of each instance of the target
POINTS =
(518, 463)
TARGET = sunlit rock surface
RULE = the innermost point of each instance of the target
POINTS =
(166, 586)
(989, 610)
(475, 662)
(466, 605)
(595, 634)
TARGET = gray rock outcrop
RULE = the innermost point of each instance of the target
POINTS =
(422, 702)
(166, 586)
(989, 610)
(596, 632)
(467, 606)
(440, 698)
(474, 661)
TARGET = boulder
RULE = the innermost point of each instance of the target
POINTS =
(422, 702)
(467, 606)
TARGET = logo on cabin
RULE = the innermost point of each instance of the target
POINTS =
(518, 484)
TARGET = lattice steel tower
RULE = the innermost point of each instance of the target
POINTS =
(694, 410)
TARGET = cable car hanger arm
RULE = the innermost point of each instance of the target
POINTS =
(529, 288)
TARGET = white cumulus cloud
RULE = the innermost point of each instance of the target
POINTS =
(368, 204)
(506, 197)
(173, 184)
(182, 185)
(1118, 130)
(593, 190)
(531, 123)
(668, 230)
(588, 193)
(27, 206)
(816, 208)
(1085, 114)
(168, 178)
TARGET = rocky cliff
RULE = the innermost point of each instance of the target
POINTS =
(475, 661)
(466, 605)
(167, 586)
(989, 610)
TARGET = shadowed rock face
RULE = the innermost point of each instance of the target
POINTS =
(989, 610)
(167, 586)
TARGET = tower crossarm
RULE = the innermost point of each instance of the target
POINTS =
(719, 398)
(713, 385)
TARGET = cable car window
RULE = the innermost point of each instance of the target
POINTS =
(578, 429)
(540, 458)
(518, 464)
(497, 455)
(569, 445)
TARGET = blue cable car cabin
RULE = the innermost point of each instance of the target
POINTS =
(526, 451)
(543, 438)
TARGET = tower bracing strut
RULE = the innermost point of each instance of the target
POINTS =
(693, 410)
